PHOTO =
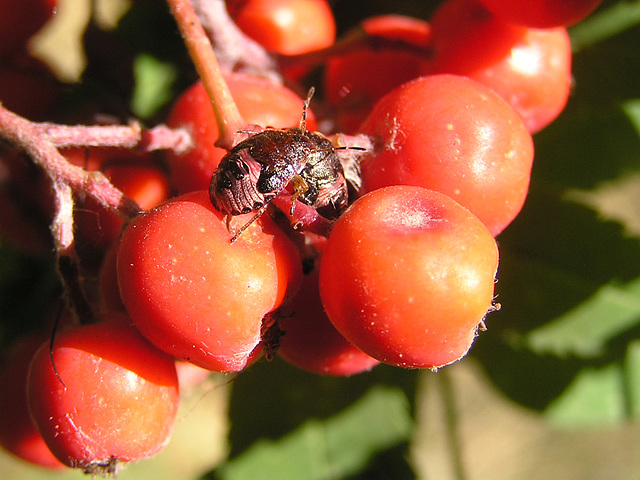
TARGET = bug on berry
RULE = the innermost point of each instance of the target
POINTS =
(262, 166)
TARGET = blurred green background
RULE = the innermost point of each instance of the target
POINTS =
(551, 390)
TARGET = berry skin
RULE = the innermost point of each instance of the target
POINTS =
(147, 185)
(289, 27)
(193, 293)
(118, 402)
(529, 68)
(18, 434)
(542, 13)
(260, 102)
(408, 276)
(348, 78)
(453, 135)
(28, 87)
(311, 342)
(535, 79)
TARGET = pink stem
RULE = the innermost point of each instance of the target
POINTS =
(62, 225)
(34, 140)
(131, 136)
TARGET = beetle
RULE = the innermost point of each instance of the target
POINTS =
(262, 166)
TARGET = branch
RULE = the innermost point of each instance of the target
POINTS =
(130, 136)
(236, 52)
(34, 139)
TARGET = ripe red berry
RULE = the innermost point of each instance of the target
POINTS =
(290, 27)
(115, 397)
(453, 135)
(21, 230)
(408, 276)
(529, 68)
(311, 342)
(348, 83)
(193, 293)
(147, 185)
(542, 13)
(18, 434)
(28, 87)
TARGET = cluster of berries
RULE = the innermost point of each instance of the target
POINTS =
(337, 241)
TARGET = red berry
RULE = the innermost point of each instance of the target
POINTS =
(18, 434)
(408, 275)
(535, 79)
(453, 135)
(115, 399)
(355, 81)
(311, 342)
(542, 13)
(529, 68)
(19, 229)
(290, 27)
(192, 292)
(260, 102)
(147, 185)
(466, 37)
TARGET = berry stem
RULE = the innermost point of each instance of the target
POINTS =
(235, 51)
(62, 224)
(34, 139)
(204, 58)
(130, 136)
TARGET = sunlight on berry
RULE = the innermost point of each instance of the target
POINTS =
(525, 60)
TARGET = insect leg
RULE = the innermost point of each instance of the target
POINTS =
(258, 214)
(299, 187)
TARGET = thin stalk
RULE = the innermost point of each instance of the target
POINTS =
(130, 136)
(204, 58)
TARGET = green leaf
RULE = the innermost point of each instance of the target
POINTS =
(586, 330)
(154, 80)
(604, 24)
(332, 448)
(595, 397)
(632, 378)
(569, 279)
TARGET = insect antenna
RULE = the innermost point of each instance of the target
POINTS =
(362, 149)
(305, 107)
(51, 343)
